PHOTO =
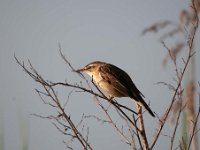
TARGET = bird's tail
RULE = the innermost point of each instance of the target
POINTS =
(143, 103)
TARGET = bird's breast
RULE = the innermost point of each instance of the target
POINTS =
(106, 85)
(96, 77)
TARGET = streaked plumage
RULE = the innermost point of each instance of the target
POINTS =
(115, 82)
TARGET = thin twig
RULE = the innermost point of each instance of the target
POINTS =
(176, 125)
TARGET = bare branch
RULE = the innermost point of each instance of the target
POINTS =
(176, 125)
(190, 51)
(142, 129)
(137, 132)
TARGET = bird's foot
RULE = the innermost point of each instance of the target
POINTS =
(110, 98)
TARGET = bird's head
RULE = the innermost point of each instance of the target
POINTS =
(91, 68)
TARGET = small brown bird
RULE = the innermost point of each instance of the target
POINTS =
(114, 81)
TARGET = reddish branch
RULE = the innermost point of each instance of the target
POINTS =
(142, 129)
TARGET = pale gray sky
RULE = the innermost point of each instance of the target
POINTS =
(88, 30)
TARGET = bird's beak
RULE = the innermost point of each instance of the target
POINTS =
(80, 70)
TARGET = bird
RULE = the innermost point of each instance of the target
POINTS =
(114, 81)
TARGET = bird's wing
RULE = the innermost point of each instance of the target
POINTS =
(123, 83)
(120, 81)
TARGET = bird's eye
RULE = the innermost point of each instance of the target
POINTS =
(89, 67)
